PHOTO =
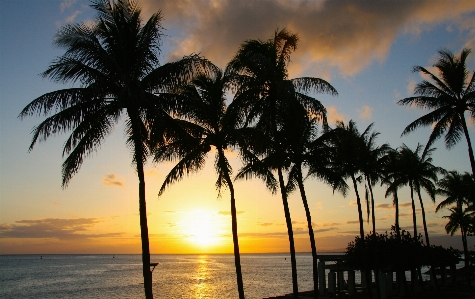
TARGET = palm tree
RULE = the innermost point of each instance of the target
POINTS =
(211, 125)
(348, 147)
(449, 96)
(266, 92)
(372, 165)
(304, 148)
(458, 189)
(390, 170)
(115, 60)
(415, 169)
(461, 218)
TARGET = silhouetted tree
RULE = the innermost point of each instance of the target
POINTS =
(449, 96)
(266, 92)
(211, 124)
(115, 61)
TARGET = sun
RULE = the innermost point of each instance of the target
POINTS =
(201, 228)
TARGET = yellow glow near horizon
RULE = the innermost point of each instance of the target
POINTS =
(200, 228)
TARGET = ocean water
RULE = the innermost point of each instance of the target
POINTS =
(176, 276)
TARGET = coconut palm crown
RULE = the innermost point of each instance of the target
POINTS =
(449, 95)
(113, 66)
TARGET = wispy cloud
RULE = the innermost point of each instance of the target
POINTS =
(226, 213)
(352, 222)
(66, 4)
(333, 115)
(384, 206)
(56, 228)
(112, 180)
(365, 112)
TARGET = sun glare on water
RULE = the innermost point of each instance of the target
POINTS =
(201, 228)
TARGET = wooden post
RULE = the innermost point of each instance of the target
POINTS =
(341, 281)
(322, 284)
(351, 282)
(331, 282)
(389, 282)
(414, 281)
(443, 275)
(382, 286)
(453, 271)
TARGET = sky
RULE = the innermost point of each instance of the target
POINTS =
(365, 49)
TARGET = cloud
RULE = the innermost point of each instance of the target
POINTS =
(266, 224)
(406, 204)
(55, 228)
(346, 35)
(353, 203)
(152, 172)
(66, 4)
(229, 213)
(322, 230)
(327, 224)
(333, 116)
(71, 18)
(410, 87)
(352, 222)
(384, 206)
(365, 112)
(112, 180)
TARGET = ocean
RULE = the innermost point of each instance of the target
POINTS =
(176, 276)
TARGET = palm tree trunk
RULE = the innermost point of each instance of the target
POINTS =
(237, 256)
(413, 211)
(469, 143)
(290, 232)
(360, 215)
(360, 212)
(310, 233)
(396, 203)
(139, 154)
(424, 219)
(373, 218)
(465, 253)
(147, 274)
(432, 268)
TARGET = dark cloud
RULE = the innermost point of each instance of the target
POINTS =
(345, 34)
(55, 228)
(112, 180)
(385, 206)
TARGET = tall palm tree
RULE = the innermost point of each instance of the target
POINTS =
(348, 148)
(211, 125)
(390, 170)
(449, 96)
(115, 61)
(266, 92)
(461, 219)
(306, 149)
(373, 158)
(415, 169)
(458, 189)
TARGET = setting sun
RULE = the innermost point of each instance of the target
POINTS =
(201, 227)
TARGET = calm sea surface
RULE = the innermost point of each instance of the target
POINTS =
(176, 276)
